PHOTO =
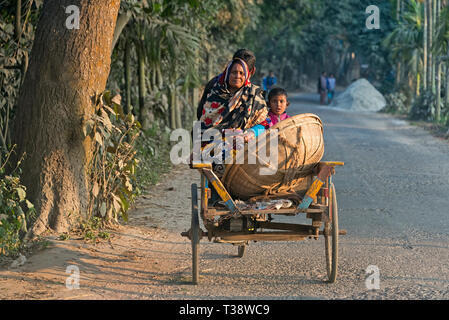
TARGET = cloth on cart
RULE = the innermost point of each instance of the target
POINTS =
(262, 205)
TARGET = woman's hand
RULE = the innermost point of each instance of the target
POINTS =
(248, 135)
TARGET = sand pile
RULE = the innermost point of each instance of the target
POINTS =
(360, 96)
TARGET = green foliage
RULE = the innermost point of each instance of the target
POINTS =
(16, 211)
(184, 43)
(311, 36)
(93, 229)
(423, 106)
(279, 39)
(396, 103)
(13, 59)
(441, 43)
(153, 152)
(113, 164)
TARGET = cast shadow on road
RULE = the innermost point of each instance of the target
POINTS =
(403, 245)
(96, 289)
(98, 277)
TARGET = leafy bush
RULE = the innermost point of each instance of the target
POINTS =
(422, 108)
(396, 103)
(113, 165)
(153, 151)
(16, 212)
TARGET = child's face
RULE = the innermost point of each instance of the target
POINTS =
(278, 104)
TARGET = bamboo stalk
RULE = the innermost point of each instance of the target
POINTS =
(178, 111)
(439, 66)
(425, 27)
(173, 106)
(429, 44)
(446, 97)
(434, 29)
(438, 93)
(127, 65)
(18, 27)
(398, 65)
(142, 90)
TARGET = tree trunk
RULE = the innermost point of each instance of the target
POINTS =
(438, 93)
(446, 96)
(127, 67)
(178, 110)
(122, 21)
(141, 77)
(210, 66)
(18, 25)
(68, 67)
(195, 100)
(173, 107)
(398, 65)
(417, 92)
(434, 29)
(438, 65)
(425, 27)
(429, 44)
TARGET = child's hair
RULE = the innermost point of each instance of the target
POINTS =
(277, 92)
(247, 56)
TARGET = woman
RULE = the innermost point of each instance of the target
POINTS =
(234, 102)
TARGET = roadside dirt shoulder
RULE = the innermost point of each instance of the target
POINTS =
(139, 257)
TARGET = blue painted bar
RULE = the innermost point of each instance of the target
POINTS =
(231, 206)
(305, 203)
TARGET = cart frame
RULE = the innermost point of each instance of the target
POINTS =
(318, 204)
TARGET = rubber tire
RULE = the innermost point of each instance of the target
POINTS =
(331, 240)
(241, 251)
(195, 229)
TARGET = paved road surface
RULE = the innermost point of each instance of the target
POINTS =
(393, 202)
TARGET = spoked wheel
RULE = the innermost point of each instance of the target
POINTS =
(195, 234)
(241, 251)
(331, 237)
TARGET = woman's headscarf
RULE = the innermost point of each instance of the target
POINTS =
(240, 110)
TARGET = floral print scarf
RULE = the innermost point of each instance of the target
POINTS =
(241, 110)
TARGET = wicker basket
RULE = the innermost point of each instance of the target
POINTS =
(300, 149)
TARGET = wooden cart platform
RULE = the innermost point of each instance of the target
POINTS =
(231, 224)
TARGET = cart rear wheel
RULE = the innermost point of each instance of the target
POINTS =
(195, 234)
(331, 237)
(241, 251)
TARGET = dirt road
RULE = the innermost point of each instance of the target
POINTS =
(393, 202)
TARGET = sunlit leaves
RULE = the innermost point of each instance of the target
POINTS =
(16, 211)
(113, 164)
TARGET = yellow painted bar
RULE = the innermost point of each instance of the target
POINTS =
(202, 165)
(221, 192)
(314, 188)
(333, 163)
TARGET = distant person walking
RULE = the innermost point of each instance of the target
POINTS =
(330, 88)
(322, 87)
(269, 81)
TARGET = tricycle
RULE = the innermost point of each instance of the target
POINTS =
(230, 222)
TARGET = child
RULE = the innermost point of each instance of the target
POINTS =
(277, 104)
(330, 88)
